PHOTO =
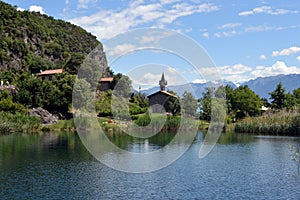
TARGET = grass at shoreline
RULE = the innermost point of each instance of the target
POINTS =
(171, 124)
(272, 123)
(18, 122)
(281, 122)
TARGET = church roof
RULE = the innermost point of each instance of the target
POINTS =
(164, 92)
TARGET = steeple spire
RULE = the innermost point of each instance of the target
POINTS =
(162, 82)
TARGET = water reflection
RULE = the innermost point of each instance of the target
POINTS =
(57, 166)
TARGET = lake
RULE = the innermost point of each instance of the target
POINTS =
(57, 166)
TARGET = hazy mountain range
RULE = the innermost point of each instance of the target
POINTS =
(261, 86)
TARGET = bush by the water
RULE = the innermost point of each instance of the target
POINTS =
(17, 123)
(283, 122)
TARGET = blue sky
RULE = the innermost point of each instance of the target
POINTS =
(245, 39)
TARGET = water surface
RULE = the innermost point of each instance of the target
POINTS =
(57, 166)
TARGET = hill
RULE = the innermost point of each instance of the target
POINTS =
(31, 41)
(263, 86)
(195, 88)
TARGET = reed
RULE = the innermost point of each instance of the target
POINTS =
(283, 122)
(17, 123)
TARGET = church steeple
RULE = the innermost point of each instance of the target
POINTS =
(162, 82)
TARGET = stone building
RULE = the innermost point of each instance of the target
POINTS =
(49, 74)
(106, 83)
(158, 99)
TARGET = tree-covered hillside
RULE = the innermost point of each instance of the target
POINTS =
(32, 42)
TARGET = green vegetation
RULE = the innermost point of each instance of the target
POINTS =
(17, 123)
(32, 42)
(282, 122)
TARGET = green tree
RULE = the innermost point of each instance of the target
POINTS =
(172, 105)
(245, 102)
(205, 103)
(188, 104)
(30, 92)
(278, 97)
(7, 104)
(82, 96)
(121, 85)
(296, 95)
(103, 104)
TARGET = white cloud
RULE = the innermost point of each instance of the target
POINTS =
(168, 1)
(206, 35)
(229, 25)
(286, 52)
(278, 68)
(240, 73)
(298, 58)
(269, 28)
(199, 81)
(267, 10)
(106, 24)
(234, 70)
(35, 8)
(172, 76)
(229, 33)
(120, 49)
(225, 34)
(20, 9)
(83, 4)
(262, 57)
(218, 35)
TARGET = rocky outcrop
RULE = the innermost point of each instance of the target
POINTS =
(46, 117)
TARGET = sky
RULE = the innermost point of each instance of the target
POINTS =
(244, 39)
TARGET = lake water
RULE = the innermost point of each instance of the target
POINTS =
(57, 166)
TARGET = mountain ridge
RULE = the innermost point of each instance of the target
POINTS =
(261, 85)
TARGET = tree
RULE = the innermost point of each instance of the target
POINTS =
(103, 105)
(188, 104)
(296, 95)
(122, 85)
(82, 96)
(245, 102)
(205, 103)
(172, 105)
(278, 97)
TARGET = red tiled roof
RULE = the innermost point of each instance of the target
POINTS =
(107, 79)
(50, 72)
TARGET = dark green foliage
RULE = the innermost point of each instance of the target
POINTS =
(17, 122)
(122, 85)
(246, 102)
(103, 105)
(32, 41)
(7, 104)
(172, 105)
(278, 97)
(240, 102)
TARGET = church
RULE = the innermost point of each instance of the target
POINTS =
(158, 99)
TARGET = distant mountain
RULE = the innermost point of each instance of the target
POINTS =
(195, 88)
(263, 86)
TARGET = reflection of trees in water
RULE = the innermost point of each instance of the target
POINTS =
(159, 140)
(20, 149)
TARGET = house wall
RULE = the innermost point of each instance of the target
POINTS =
(104, 86)
(156, 102)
